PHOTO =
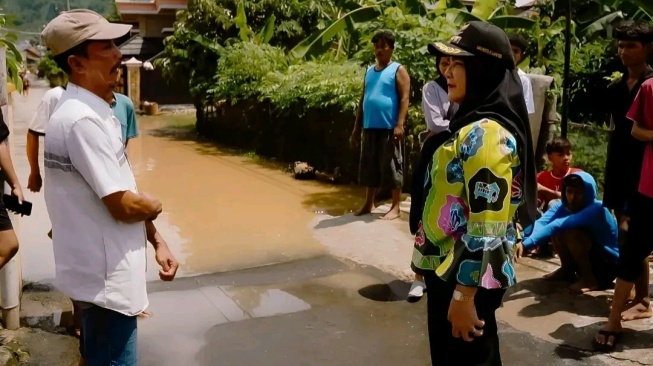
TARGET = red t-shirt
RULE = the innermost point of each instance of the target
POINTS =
(641, 112)
(552, 182)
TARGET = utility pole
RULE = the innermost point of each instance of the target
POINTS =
(68, 5)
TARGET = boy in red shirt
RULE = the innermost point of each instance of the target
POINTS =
(549, 182)
(638, 245)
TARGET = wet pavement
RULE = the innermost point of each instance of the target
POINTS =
(273, 273)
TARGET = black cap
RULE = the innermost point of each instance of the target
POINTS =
(477, 38)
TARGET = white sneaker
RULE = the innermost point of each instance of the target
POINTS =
(416, 290)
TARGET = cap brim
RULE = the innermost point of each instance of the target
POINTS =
(447, 49)
(111, 31)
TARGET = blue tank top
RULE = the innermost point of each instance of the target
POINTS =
(381, 100)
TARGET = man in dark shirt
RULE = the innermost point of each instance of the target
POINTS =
(625, 153)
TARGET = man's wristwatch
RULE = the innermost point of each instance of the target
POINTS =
(459, 296)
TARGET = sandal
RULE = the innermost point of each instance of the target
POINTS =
(605, 347)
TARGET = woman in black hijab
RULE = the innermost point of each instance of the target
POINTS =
(476, 181)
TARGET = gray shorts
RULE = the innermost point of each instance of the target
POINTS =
(382, 160)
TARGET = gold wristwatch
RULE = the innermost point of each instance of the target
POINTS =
(459, 296)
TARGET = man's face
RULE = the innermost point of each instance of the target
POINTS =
(517, 53)
(100, 69)
(382, 51)
(560, 160)
(575, 197)
(632, 53)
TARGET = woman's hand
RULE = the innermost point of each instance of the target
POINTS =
(18, 192)
(464, 321)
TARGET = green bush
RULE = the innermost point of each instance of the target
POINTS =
(242, 67)
(590, 150)
(315, 84)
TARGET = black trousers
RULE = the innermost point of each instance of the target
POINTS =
(446, 350)
(639, 243)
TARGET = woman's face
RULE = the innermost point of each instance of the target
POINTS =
(444, 64)
(456, 80)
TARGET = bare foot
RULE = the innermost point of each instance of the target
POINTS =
(559, 274)
(608, 336)
(365, 210)
(394, 213)
(639, 310)
(582, 287)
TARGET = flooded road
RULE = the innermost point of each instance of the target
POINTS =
(225, 212)
(221, 212)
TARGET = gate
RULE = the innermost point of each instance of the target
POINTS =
(121, 85)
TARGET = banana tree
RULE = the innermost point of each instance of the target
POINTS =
(491, 11)
(341, 28)
(246, 34)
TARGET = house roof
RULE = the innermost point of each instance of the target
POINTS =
(141, 47)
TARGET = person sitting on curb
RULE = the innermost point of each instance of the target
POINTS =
(584, 235)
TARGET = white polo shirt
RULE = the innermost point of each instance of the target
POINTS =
(45, 109)
(98, 259)
(528, 91)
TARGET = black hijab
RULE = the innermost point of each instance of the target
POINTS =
(495, 93)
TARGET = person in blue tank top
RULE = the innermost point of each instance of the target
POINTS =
(379, 125)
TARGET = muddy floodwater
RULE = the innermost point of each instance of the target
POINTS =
(226, 212)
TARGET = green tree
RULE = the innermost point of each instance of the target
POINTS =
(207, 25)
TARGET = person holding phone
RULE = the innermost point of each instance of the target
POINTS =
(8, 238)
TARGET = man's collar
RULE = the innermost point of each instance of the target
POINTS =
(85, 95)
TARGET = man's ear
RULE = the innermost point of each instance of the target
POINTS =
(75, 64)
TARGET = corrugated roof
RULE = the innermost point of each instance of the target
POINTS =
(141, 47)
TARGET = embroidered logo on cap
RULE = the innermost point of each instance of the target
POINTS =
(448, 49)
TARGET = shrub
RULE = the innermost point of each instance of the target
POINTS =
(315, 84)
(241, 69)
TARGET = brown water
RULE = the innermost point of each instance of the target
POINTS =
(224, 212)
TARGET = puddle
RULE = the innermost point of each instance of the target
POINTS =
(259, 303)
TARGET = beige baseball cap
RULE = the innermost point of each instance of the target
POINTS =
(72, 28)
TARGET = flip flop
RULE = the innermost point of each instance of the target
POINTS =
(605, 347)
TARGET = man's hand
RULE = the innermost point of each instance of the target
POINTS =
(398, 132)
(18, 192)
(34, 182)
(464, 320)
(167, 261)
(623, 223)
(519, 251)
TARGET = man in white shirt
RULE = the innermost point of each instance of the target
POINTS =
(100, 223)
(37, 129)
(519, 45)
